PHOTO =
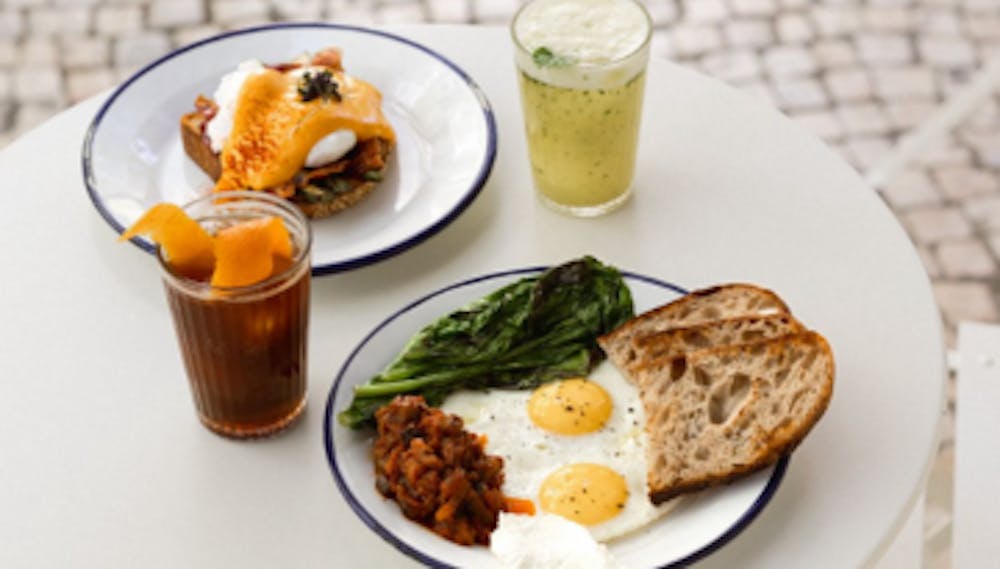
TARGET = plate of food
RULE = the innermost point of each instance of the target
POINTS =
(381, 141)
(575, 414)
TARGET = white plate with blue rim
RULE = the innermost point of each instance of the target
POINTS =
(697, 526)
(133, 157)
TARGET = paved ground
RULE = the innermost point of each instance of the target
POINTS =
(857, 73)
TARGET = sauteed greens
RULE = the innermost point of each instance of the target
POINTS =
(537, 329)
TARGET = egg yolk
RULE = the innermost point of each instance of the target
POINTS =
(585, 493)
(570, 407)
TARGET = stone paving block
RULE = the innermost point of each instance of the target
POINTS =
(945, 153)
(940, 21)
(979, 6)
(754, 8)
(491, 11)
(960, 182)
(984, 120)
(748, 33)
(966, 301)
(789, 61)
(932, 225)
(449, 11)
(248, 22)
(866, 151)
(175, 13)
(984, 211)
(691, 41)
(15, 4)
(11, 24)
(911, 188)
(346, 12)
(297, 10)
(849, 85)
(966, 258)
(905, 83)
(760, 91)
(38, 51)
(864, 119)
(704, 11)
(226, 12)
(908, 114)
(9, 53)
(794, 28)
(410, 13)
(884, 49)
(38, 83)
(83, 51)
(55, 21)
(947, 51)
(800, 94)
(118, 20)
(185, 36)
(836, 20)
(83, 83)
(6, 91)
(30, 115)
(662, 13)
(823, 124)
(983, 27)
(732, 66)
(140, 49)
(930, 263)
(835, 53)
(795, 4)
(888, 19)
(994, 242)
(7, 110)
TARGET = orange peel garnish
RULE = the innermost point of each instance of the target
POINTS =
(245, 253)
(186, 245)
(239, 255)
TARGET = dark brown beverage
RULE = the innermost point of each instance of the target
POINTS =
(244, 348)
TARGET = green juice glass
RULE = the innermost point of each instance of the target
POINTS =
(582, 69)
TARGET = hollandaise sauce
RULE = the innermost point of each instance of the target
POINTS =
(275, 126)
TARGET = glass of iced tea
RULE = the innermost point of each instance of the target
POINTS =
(244, 347)
(582, 68)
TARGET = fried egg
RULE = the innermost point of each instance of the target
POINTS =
(576, 448)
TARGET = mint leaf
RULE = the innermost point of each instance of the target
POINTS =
(544, 57)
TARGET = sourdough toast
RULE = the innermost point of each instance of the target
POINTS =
(719, 414)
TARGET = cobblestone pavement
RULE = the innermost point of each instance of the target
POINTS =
(857, 73)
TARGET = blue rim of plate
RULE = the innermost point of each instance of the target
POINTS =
(329, 420)
(340, 266)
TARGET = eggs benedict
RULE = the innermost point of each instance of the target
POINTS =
(305, 131)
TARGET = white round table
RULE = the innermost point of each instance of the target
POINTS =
(103, 464)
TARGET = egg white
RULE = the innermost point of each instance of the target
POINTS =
(530, 454)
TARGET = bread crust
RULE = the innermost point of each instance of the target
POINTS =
(758, 441)
(699, 307)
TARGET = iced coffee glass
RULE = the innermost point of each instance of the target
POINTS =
(244, 348)
(582, 69)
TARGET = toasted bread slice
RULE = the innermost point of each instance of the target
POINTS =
(699, 307)
(314, 201)
(743, 330)
(716, 415)
(197, 146)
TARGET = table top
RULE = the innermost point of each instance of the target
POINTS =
(103, 463)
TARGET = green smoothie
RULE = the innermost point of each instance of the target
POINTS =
(582, 71)
(582, 142)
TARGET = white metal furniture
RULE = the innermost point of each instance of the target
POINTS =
(102, 463)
